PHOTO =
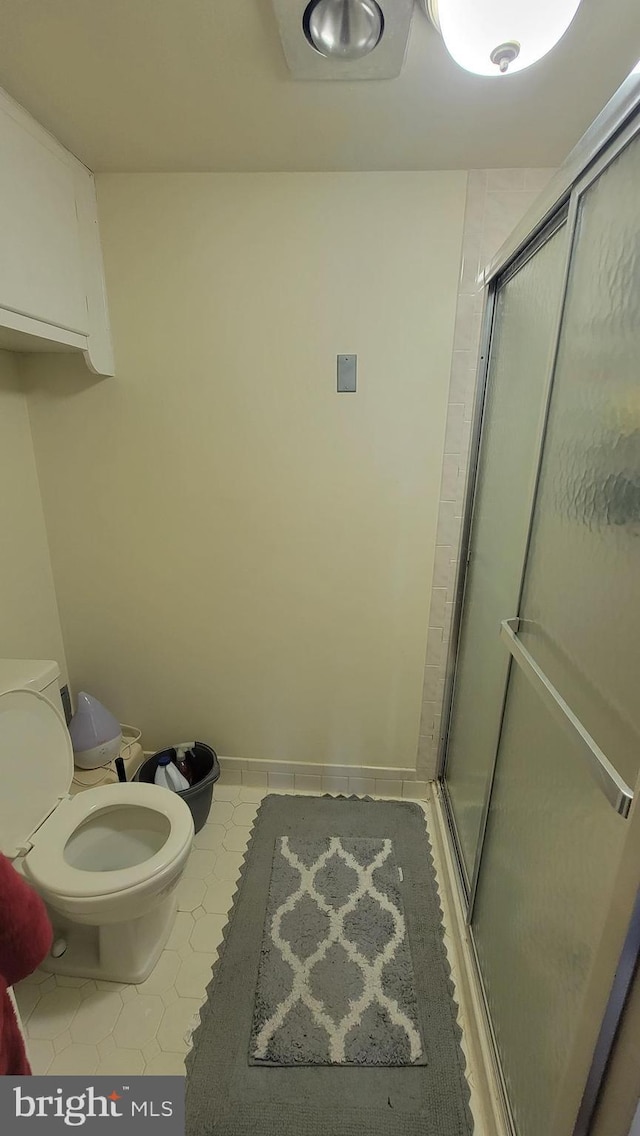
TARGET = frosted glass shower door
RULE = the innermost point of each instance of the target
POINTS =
(556, 844)
(525, 322)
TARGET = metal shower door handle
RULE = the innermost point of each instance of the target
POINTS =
(615, 789)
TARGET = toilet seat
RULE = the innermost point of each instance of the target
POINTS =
(38, 818)
(46, 863)
(36, 759)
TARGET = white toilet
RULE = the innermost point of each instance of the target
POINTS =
(107, 861)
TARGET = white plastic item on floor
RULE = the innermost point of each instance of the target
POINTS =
(169, 776)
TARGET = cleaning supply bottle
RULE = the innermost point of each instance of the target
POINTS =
(169, 776)
(183, 760)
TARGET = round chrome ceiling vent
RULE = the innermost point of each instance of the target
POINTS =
(343, 29)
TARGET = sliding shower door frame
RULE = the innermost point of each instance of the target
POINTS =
(618, 125)
(567, 215)
(468, 885)
(607, 137)
(484, 358)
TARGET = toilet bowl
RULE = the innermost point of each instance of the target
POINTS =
(106, 861)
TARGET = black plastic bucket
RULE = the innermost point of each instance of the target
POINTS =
(206, 768)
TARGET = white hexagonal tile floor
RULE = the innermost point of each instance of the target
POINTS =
(96, 1017)
(236, 838)
(73, 1025)
(218, 896)
(207, 933)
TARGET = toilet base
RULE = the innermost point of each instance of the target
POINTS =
(115, 952)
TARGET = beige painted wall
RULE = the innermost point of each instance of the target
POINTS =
(29, 623)
(240, 553)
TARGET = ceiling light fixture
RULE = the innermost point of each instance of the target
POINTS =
(343, 29)
(500, 37)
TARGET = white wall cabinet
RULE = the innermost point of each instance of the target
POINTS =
(52, 292)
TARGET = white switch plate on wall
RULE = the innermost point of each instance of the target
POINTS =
(347, 373)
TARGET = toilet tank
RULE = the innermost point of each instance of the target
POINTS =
(36, 674)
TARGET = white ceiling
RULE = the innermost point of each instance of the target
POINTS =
(202, 85)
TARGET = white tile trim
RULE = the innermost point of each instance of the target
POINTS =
(311, 769)
(257, 773)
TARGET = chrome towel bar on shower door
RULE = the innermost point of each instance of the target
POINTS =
(614, 788)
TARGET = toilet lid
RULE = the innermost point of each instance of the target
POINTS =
(36, 760)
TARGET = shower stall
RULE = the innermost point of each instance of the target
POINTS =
(540, 756)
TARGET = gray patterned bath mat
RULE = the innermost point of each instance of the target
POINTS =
(230, 1094)
(335, 985)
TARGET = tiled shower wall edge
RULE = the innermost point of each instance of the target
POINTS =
(496, 201)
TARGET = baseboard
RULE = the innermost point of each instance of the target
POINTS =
(482, 1058)
(315, 778)
(309, 777)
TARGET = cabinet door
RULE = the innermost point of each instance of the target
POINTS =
(41, 266)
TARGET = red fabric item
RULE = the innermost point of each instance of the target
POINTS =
(25, 939)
